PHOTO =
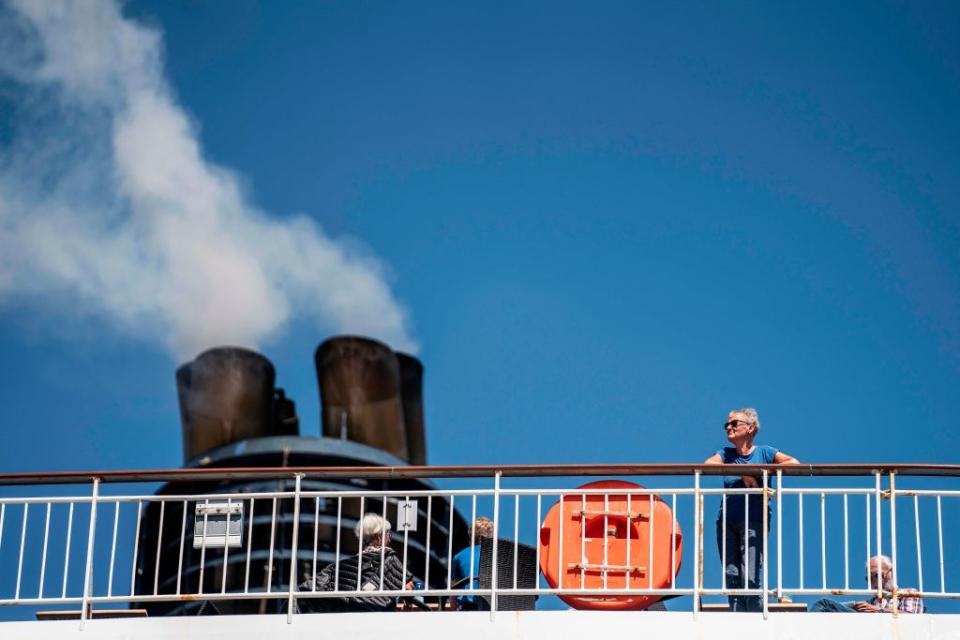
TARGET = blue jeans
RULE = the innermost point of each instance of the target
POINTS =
(831, 606)
(744, 562)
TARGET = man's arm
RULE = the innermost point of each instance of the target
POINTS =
(714, 459)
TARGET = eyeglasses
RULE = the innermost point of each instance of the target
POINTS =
(734, 424)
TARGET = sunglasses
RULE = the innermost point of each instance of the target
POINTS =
(734, 424)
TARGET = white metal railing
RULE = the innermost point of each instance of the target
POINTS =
(94, 550)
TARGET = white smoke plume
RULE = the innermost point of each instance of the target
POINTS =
(108, 207)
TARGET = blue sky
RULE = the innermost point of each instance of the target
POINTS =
(607, 225)
(615, 222)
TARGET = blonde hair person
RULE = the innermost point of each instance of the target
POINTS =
(740, 524)
(465, 567)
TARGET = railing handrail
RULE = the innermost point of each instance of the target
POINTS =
(474, 471)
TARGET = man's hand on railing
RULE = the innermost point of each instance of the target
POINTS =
(866, 607)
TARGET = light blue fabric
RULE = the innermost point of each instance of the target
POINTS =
(462, 568)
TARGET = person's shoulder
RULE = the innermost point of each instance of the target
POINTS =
(767, 453)
(727, 453)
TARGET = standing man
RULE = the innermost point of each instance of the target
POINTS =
(739, 525)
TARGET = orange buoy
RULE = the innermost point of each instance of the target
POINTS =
(596, 542)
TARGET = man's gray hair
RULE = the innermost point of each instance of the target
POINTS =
(751, 415)
(886, 564)
(371, 526)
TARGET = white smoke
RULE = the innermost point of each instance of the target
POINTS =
(108, 207)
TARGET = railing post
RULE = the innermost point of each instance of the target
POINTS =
(877, 497)
(291, 584)
(88, 572)
(766, 558)
(779, 535)
(496, 536)
(697, 543)
(893, 537)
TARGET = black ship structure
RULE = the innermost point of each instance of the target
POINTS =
(233, 415)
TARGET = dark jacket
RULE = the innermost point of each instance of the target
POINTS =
(346, 577)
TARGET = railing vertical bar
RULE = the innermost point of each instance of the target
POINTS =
(697, 531)
(203, 548)
(626, 579)
(650, 529)
(943, 584)
(360, 544)
(246, 571)
(273, 537)
(474, 562)
(496, 536)
(3, 513)
(780, 498)
(43, 561)
(66, 551)
(893, 537)
(723, 542)
(336, 560)
(383, 545)
(406, 539)
(113, 545)
(867, 518)
(91, 537)
(426, 569)
(450, 542)
(316, 538)
(846, 544)
(606, 538)
(23, 543)
(583, 542)
(745, 568)
(823, 541)
(916, 526)
(156, 567)
(183, 537)
(136, 549)
(292, 581)
(226, 549)
(537, 529)
(879, 514)
(766, 558)
(673, 542)
(516, 536)
(560, 567)
(800, 525)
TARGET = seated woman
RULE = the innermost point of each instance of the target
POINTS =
(380, 570)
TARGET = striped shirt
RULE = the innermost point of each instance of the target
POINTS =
(905, 603)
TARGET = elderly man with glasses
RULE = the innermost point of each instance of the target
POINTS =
(740, 523)
(879, 572)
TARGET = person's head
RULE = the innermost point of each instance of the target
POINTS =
(372, 530)
(742, 425)
(482, 528)
(884, 567)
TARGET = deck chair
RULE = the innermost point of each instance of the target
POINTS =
(527, 573)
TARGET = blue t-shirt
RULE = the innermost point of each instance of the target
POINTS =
(461, 568)
(761, 454)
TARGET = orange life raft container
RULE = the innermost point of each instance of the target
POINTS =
(596, 542)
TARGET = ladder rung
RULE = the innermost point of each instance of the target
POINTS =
(607, 568)
(600, 512)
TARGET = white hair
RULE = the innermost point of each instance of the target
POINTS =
(750, 414)
(886, 564)
(371, 526)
